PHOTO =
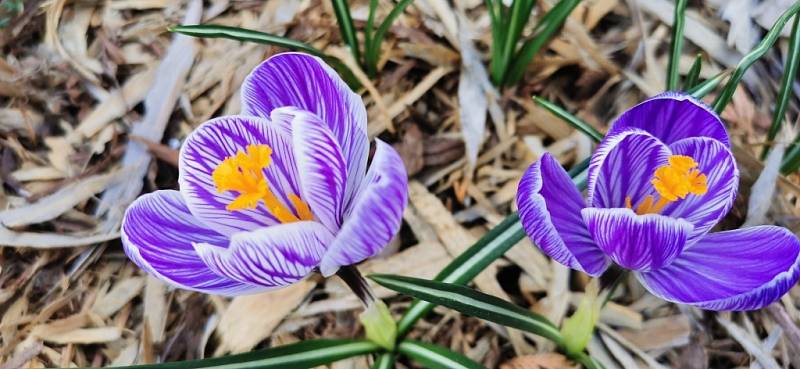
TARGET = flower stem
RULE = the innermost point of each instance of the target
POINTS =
(610, 288)
(379, 326)
(353, 279)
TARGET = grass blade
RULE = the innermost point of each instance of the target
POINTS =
(346, 27)
(374, 46)
(384, 361)
(469, 264)
(370, 27)
(246, 35)
(572, 120)
(436, 357)
(499, 31)
(787, 80)
(673, 74)
(694, 73)
(306, 354)
(766, 43)
(545, 29)
(516, 21)
(703, 89)
(471, 302)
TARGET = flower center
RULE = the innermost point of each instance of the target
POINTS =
(673, 181)
(244, 173)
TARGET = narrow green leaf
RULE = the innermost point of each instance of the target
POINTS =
(374, 47)
(673, 74)
(499, 31)
(469, 264)
(787, 80)
(544, 31)
(572, 120)
(766, 43)
(516, 22)
(694, 73)
(384, 361)
(370, 27)
(436, 357)
(471, 302)
(346, 27)
(247, 35)
(703, 89)
(306, 354)
(791, 161)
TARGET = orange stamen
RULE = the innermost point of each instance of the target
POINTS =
(244, 173)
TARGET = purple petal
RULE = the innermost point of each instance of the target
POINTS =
(743, 269)
(323, 174)
(623, 166)
(270, 257)
(208, 146)
(157, 235)
(637, 242)
(550, 211)
(672, 117)
(718, 164)
(306, 82)
(377, 214)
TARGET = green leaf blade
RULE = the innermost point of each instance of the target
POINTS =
(472, 302)
(673, 74)
(376, 40)
(748, 60)
(306, 354)
(571, 119)
(246, 35)
(469, 264)
(545, 29)
(436, 357)
(346, 27)
(787, 80)
(694, 73)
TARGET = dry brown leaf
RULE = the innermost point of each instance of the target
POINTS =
(540, 361)
(245, 322)
(52, 206)
(122, 293)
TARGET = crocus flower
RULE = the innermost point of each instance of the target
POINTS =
(273, 194)
(659, 181)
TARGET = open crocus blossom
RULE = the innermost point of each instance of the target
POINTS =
(273, 194)
(659, 181)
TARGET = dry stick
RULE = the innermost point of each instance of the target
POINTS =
(790, 331)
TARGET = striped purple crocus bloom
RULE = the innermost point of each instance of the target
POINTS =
(273, 194)
(659, 181)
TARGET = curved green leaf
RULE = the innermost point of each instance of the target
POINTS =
(247, 35)
(544, 31)
(572, 120)
(469, 264)
(694, 73)
(514, 23)
(766, 43)
(374, 45)
(787, 80)
(348, 31)
(673, 74)
(471, 302)
(384, 361)
(306, 354)
(703, 89)
(436, 357)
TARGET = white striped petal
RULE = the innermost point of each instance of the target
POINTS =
(269, 257)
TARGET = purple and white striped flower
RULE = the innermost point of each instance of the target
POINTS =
(271, 195)
(660, 180)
